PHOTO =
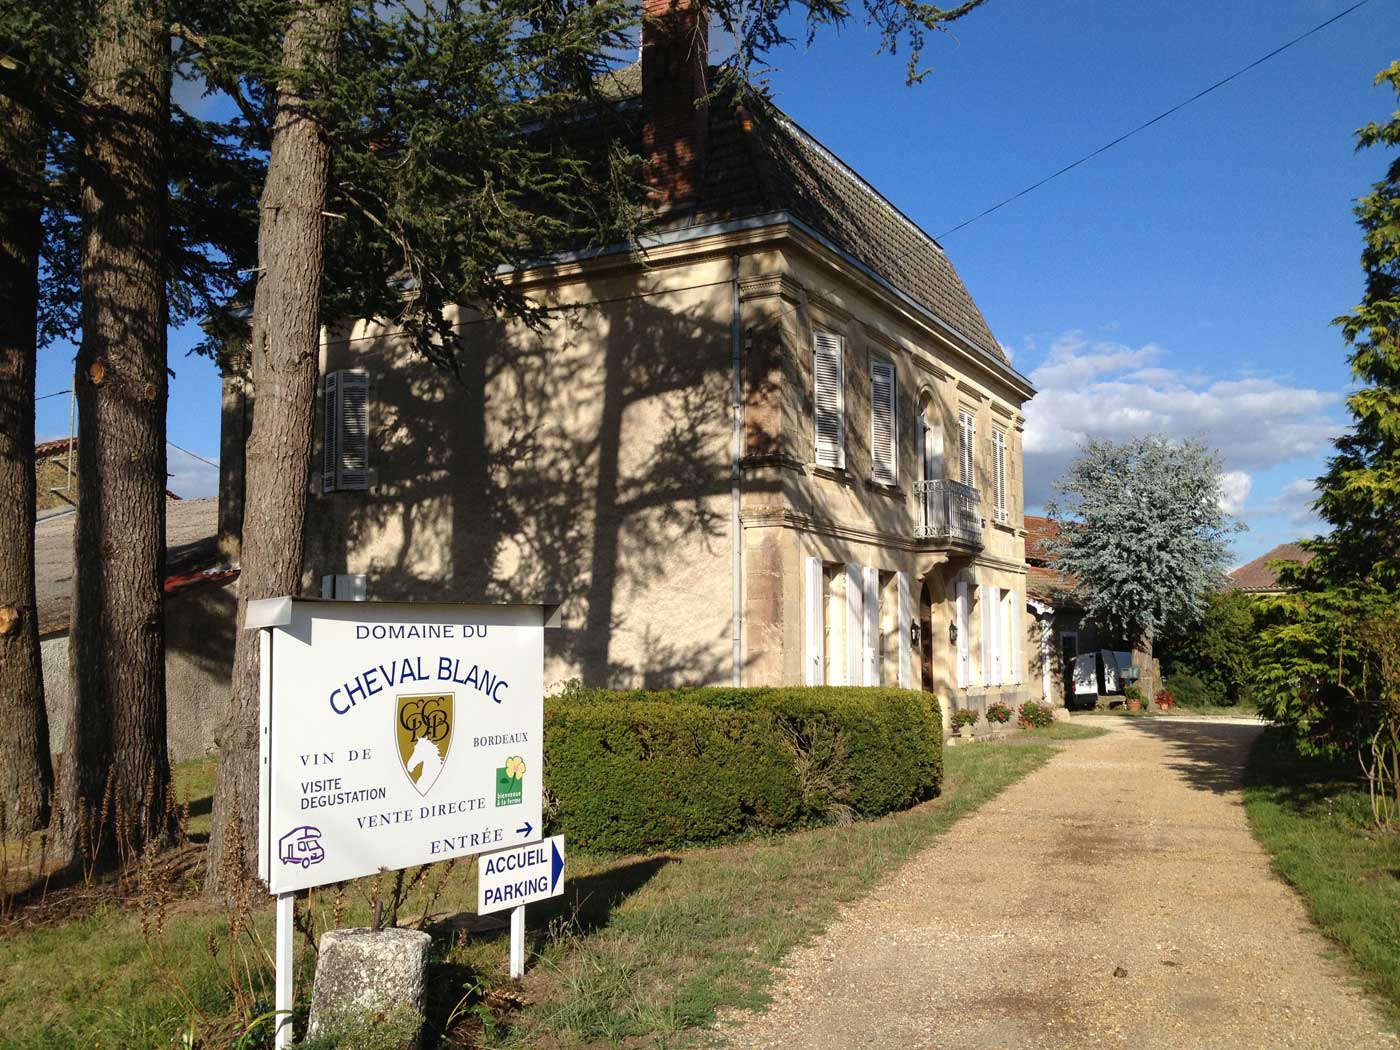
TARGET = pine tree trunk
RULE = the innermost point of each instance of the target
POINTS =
(284, 358)
(116, 647)
(26, 772)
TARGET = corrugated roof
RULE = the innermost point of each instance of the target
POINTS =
(1257, 576)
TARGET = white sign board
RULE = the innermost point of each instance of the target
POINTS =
(520, 876)
(395, 734)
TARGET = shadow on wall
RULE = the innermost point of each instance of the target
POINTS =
(1210, 756)
(587, 463)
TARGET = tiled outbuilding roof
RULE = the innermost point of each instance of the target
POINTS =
(1257, 576)
(1042, 580)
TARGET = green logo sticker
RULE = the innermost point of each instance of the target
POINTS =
(510, 779)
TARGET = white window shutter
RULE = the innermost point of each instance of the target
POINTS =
(906, 623)
(855, 626)
(999, 473)
(829, 399)
(966, 436)
(815, 648)
(883, 425)
(871, 661)
(964, 618)
(352, 460)
(986, 599)
(330, 432)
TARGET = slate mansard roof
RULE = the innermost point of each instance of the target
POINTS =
(759, 161)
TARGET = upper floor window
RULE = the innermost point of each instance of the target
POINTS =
(930, 445)
(883, 466)
(345, 433)
(829, 399)
(965, 446)
(999, 472)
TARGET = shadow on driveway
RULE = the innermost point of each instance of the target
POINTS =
(1209, 755)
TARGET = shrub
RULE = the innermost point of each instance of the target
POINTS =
(964, 716)
(999, 713)
(1132, 692)
(1034, 715)
(1191, 690)
(653, 770)
(1164, 698)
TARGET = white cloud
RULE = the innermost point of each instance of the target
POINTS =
(1105, 389)
(1234, 490)
(190, 478)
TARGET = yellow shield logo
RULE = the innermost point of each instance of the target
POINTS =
(423, 731)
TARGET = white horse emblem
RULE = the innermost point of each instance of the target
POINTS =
(427, 760)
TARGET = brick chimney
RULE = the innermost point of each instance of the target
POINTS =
(675, 54)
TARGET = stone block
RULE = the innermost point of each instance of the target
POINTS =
(362, 974)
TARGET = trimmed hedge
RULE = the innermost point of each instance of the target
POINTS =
(638, 771)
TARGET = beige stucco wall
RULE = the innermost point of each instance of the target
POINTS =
(199, 625)
(585, 463)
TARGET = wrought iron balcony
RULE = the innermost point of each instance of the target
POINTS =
(950, 512)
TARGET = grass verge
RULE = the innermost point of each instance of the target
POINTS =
(1314, 817)
(640, 950)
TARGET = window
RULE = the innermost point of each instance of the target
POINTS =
(930, 446)
(345, 432)
(883, 466)
(999, 473)
(829, 399)
(965, 436)
(989, 599)
(346, 587)
(852, 618)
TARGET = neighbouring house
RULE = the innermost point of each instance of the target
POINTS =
(200, 605)
(55, 474)
(782, 446)
(1260, 576)
(1066, 633)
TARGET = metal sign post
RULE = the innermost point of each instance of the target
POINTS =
(286, 929)
(392, 734)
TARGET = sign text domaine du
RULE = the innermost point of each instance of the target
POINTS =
(394, 734)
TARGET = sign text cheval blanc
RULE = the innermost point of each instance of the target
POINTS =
(396, 734)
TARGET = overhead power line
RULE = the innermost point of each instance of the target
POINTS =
(1160, 116)
(193, 455)
(56, 393)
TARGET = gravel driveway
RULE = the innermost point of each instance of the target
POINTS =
(1129, 853)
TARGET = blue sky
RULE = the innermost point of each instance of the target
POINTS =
(1182, 283)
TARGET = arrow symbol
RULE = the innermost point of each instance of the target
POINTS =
(556, 867)
(525, 829)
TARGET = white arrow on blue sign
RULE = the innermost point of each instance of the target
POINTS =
(520, 875)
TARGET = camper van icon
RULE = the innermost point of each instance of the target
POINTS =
(301, 846)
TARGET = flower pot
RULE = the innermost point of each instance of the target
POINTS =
(1134, 705)
(964, 732)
